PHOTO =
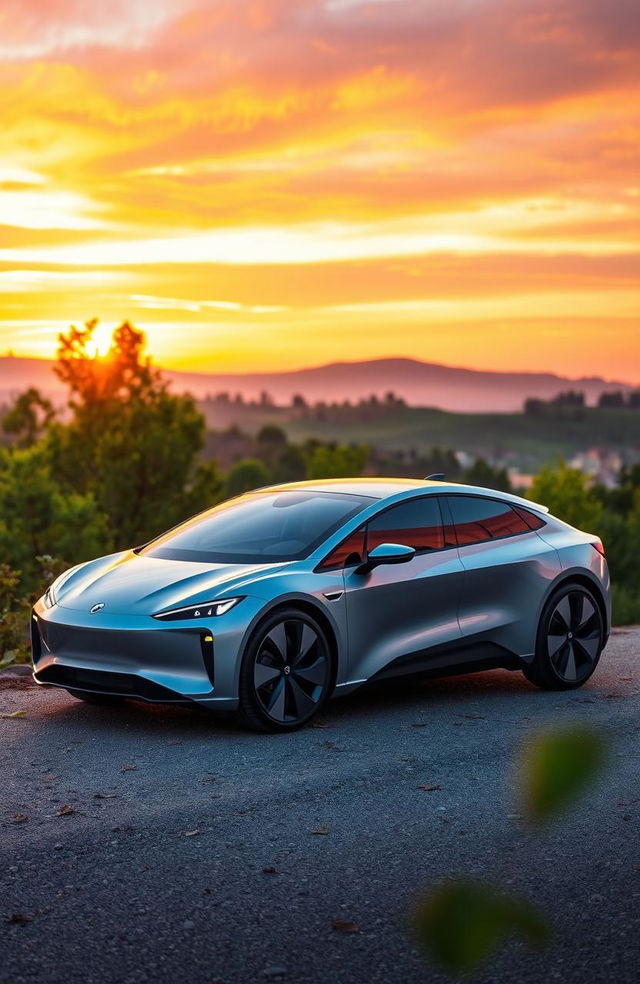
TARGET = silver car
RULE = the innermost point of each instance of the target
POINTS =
(271, 602)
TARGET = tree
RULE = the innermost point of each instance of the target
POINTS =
(95, 381)
(336, 461)
(625, 494)
(29, 417)
(270, 444)
(245, 476)
(611, 401)
(440, 460)
(290, 466)
(39, 517)
(14, 619)
(568, 398)
(620, 532)
(534, 407)
(483, 474)
(565, 491)
(131, 443)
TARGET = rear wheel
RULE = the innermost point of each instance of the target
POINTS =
(95, 698)
(570, 639)
(286, 672)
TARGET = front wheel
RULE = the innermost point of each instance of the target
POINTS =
(569, 641)
(286, 672)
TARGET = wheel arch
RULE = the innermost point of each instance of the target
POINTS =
(582, 577)
(314, 610)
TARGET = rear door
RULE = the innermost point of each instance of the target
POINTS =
(508, 568)
(397, 612)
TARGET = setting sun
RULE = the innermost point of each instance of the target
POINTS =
(101, 340)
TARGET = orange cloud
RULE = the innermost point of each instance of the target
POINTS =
(372, 163)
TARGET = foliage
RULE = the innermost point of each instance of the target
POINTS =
(625, 604)
(612, 514)
(205, 489)
(245, 476)
(284, 462)
(271, 441)
(556, 767)
(626, 493)
(94, 382)
(407, 463)
(13, 617)
(38, 516)
(28, 418)
(290, 466)
(335, 461)
(524, 442)
(15, 608)
(461, 923)
(123, 468)
(567, 494)
(620, 534)
(486, 476)
(131, 443)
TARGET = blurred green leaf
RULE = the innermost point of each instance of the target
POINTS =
(556, 767)
(462, 923)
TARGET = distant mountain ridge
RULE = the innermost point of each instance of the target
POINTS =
(418, 383)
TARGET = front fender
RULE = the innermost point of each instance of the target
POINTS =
(332, 613)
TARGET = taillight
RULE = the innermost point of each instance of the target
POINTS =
(597, 545)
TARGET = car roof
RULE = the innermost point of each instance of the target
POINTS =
(385, 488)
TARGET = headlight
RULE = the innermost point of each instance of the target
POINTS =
(204, 610)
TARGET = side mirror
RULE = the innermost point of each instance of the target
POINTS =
(386, 553)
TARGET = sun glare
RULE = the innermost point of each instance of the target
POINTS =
(101, 341)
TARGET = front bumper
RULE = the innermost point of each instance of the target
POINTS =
(138, 656)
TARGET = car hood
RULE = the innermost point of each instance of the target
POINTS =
(129, 584)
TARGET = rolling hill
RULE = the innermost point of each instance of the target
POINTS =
(418, 383)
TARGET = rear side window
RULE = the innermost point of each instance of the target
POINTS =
(476, 519)
(415, 523)
(533, 522)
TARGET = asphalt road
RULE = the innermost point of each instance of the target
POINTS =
(193, 851)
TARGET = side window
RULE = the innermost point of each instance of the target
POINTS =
(415, 523)
(478, 519)
(353, 544)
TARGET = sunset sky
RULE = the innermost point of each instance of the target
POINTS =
(277, 183)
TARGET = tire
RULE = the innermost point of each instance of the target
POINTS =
(569, 640)
(90, 698)
(286, 672)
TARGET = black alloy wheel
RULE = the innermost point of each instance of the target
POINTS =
(286, 672)
(570, 640)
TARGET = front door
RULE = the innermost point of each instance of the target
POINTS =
(397, 612)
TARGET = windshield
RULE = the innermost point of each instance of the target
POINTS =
(259, 529)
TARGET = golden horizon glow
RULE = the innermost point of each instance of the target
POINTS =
(270, 185)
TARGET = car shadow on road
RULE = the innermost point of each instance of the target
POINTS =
(410, 696)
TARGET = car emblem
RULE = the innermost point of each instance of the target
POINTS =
(97, 608)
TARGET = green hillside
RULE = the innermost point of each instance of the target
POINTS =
(524, 441)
